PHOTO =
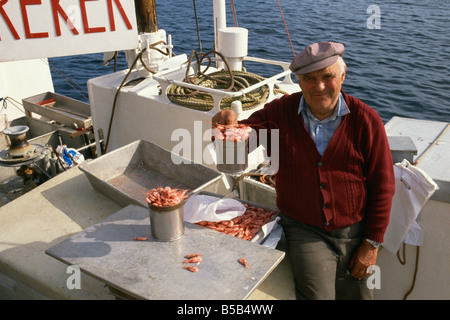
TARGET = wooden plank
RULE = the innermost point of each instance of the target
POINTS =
(154, 269)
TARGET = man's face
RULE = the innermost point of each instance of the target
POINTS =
(321, 89)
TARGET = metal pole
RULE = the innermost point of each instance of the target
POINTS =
(146, 16)
(220, 21)
(198, 30)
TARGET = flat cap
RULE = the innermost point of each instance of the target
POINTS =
(316, 56)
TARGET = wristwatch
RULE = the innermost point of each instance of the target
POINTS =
(373, 243)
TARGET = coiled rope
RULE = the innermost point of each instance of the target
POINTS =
(227, 80)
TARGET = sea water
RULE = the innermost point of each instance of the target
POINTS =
(397, 52)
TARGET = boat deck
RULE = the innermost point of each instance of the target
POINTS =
(55, 211)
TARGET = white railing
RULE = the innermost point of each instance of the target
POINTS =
(218, 94)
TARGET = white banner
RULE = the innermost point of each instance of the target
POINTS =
(32, 29)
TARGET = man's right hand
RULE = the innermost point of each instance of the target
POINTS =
(225, 117)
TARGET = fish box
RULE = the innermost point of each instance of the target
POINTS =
(126, 174)
(67, 111)
(262, 235)
(256, 191)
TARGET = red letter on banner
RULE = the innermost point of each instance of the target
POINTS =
(85, 19)
(122, 12)
(8, 22)
(26, 24)
(56, 8)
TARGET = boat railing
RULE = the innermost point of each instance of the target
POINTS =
(219, 94)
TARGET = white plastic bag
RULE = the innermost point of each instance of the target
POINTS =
(413, 188)
(208, 208)
(272, 233)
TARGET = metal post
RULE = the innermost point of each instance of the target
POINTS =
(220, 19)
(146, 16)
(220, 22)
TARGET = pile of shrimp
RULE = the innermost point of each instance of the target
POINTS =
(245, 226)
(166, 197)
(232, 132)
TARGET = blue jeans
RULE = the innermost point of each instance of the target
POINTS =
(320, 259)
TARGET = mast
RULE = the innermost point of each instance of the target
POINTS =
(153, 49)
(146, 16)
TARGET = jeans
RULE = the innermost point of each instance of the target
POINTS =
(320, 260)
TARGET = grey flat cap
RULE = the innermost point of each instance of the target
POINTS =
(316, 56)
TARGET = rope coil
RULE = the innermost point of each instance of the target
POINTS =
(227, 80)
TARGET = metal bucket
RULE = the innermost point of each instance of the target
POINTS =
(167, 223)
(232, 157)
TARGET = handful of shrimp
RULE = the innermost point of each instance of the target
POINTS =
(232, 132)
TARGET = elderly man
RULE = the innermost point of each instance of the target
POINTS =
(335, 181)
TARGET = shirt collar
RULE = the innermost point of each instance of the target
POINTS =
(341, 110)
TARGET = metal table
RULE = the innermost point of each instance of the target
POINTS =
(154, 269)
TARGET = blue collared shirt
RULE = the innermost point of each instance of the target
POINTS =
(322, 131)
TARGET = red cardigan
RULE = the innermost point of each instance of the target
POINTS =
(352, 181)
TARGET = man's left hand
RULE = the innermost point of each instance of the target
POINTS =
(364, 257)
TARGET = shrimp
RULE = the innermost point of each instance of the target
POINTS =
(140, 238)
(191, 269)
(192, 255)
(244, 262)
(165, 197)
(197, 259)
(232, 132)
(245, 226)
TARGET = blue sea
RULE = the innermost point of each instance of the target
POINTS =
(397, 52)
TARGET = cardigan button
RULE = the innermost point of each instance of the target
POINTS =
(324, 205)
(322, 185)
(326, 224)
(319, 163)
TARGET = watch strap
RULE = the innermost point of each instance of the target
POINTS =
(373, 243)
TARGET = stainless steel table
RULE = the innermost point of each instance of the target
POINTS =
(154, 269)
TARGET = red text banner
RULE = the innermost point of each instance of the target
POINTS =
(32, 29)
